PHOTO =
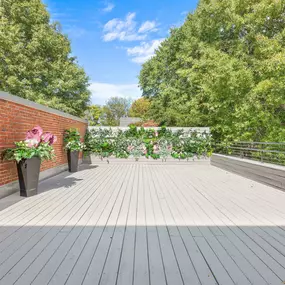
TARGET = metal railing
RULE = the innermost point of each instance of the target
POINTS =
(270, 152)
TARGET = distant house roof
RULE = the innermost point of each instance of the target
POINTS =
(126, 121)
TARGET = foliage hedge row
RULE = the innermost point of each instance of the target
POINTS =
(140, 142)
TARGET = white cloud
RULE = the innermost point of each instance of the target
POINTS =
(109, 7)
(144, 51)
(148, 26)
(123, 30)
(101, 92)
(126, 30)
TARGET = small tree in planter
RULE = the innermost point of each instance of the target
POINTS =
(137, 149)
(163, 149)
(28, 155)
(73, 145)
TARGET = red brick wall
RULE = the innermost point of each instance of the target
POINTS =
(16, 120)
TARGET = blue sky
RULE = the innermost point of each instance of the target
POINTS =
(111, 39)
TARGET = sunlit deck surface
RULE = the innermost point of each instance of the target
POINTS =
(141, 224)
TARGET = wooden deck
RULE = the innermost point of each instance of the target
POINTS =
(143, 224)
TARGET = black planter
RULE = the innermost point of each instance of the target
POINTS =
(29, 172)
(72, 157)
(86, 159)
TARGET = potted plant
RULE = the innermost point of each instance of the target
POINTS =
(137, 149)
(73, 145)
(29, 154)
(163, 149)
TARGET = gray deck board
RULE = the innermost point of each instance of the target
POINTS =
(145, 224)
(141, 264)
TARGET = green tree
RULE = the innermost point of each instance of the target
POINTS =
(223, 68)
(36, 61)
(93, 114)
(113, 110)
(140, 108)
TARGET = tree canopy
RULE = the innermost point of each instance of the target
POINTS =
(223, 68)
(93, 114)
(140, 108)
(36, 61)
(113, 110)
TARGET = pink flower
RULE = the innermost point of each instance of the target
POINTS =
(53, 139)
(155, 148)
(156, 134)
(32, 139)
(50, 138)
(34, 134)
(37, 130)
(130, 148)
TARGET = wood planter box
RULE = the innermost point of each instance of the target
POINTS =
(28, 173)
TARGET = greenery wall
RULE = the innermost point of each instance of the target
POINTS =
(223, 68)
(140, 142)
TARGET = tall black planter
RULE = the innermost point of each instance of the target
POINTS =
(29, 172)
(72, 157)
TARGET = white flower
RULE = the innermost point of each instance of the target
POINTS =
(32, 142)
